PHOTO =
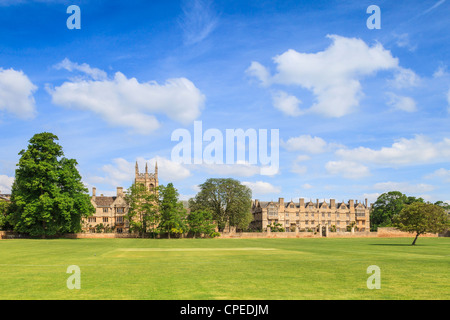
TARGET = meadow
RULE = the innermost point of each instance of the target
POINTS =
(225, 269)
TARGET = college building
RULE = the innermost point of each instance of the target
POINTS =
(311, 216)
(110, 211)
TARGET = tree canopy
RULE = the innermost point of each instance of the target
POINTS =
(227, 199)
(173, 214)
(421, 218)
(387, 206)
(48, 196)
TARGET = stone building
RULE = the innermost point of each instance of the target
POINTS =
(110, 211)
(311, 216)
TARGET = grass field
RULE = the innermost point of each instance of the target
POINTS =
(272, 269)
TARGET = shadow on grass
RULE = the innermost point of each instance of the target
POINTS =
(395, 244)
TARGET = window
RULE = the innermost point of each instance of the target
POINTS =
(323, 215)
(119, 230)
(119, 210)
(105, 219)
(105, 209)
(92, 219)
(296, 214)
(272, 211)
(119, 219)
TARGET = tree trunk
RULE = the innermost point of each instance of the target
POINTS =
(414, 242)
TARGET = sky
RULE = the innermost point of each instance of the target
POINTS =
(358, 110)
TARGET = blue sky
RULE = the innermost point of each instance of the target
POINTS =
(359, 111)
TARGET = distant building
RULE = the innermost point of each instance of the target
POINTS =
(5, 197)
(110, 211)
(305, 216)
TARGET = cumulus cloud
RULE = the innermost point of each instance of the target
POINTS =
(308, 144)
(286, 103)
(418, 150)
(127, 102)
(332, 75)
(261, 187)
(347, 169)
(6, 184)
(402, 103)
(122, 172)
(441, 173)
(16, 94)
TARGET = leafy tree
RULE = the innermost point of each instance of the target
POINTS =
(142, 212)
(48, 197)
(420, 218)
(172, 212)
(227, 199)
(387, 206)
(200, 222)
(4, 205)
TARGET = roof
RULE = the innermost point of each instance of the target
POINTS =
(104, 201)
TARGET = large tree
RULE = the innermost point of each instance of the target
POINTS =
(48, 197)
(142, 212)
(387, 206)
(421, 218)
(200, 222)
(173, 214)
(227, 199)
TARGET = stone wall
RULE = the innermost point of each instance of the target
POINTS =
(394, 233)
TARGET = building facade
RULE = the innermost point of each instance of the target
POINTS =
(311, 216)
(110, 211)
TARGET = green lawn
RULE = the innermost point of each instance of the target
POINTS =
(274, 269)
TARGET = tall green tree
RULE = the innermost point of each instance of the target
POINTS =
(173, 214)
(200, 222)
(142, 214)
(227, 199)
(421, 218)
(387, 206)
(4, 205)
(48, 197)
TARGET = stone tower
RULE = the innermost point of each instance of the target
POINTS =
(150, 180)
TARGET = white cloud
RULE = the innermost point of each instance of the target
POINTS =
(122, 172)
(127, 102)
(307, 186)
(403, 187)
(403, 41)
(286, 103)
(347, 169)
(418, 150)
(6, 184)
(405, 78)
(261, 187)
(332, 75)
(94, 73)
(16, 93)
(402, 103)
(260, 72)
(440, 173)
(441, 71)
(308, 144)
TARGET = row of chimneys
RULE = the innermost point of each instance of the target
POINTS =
(119, 192)
(332, 202)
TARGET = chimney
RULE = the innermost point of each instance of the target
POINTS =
(94, 189)
(281, 202)
(302, 203)
(119, 191)
(317, 203)
(351, 203)
(366, 202)
(333, 203)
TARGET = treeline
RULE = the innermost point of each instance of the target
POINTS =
(48, 199)
(410, 214)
